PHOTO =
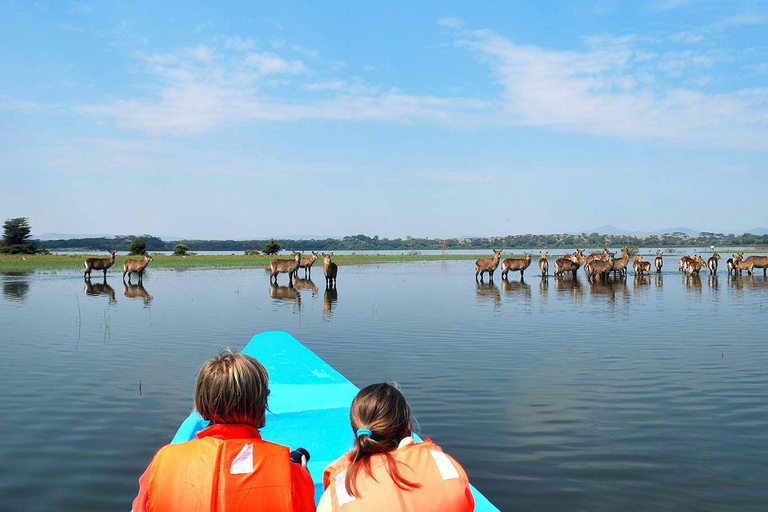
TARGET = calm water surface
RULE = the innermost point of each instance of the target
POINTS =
(554, 394)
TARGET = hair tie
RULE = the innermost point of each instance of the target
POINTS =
(363, 432)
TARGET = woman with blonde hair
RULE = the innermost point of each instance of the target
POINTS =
(228, 467)
(386, 470)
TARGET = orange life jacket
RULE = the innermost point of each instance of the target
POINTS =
(444, 484)
(221, 475)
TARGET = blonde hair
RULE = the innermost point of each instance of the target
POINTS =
(232, 388)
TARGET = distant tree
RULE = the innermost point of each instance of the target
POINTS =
(180, 250)
(251, 252)
(630, 249)
(138, 246)
(17, 237)
(271, 247)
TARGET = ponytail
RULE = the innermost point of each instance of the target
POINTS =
(381, 410)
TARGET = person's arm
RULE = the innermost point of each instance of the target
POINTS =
(303, 489)
(140, 503)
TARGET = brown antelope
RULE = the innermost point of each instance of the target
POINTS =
(487, 265)
(731, 266)
(741, 265)
(684, 262)
(515, 264)
(138, 266)
(659, 261)
(285, 266)
(330, 297)
(712, 263)
(640, 266)
(544, 264)
(330, 269)
(305, 284)
(565, 264)
(602, 255)
(100, 289)
(600, 268)
(620, 264)
(306, 264)
(99, 264)
(695, 265)
(578, 258)
(136, 290)
(759, 262)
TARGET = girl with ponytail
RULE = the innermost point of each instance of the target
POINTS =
(386, 470)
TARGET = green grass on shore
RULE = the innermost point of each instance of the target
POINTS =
(19, 263)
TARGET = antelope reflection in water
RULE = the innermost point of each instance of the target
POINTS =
(543, 288)
(133, 291)
(713, 282)
(659, 281)
(330, 297)
(285, 293)
(516, 287)
(488, 292)
(100, 289)
(739, 282)
(567, 284)
(641, 281)
(305, 284)
(611, 288)
(692, 282)
(15, 286)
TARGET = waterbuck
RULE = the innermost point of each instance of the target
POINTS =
(330, 269)
(746, 264)
(515, 264)
(659, 261)
(138, 266)
(759, 262)
(487, 265)
(731, 266)
(600, 268)
(695, 265)
(619, 265)
(712, 263)
(684, 262)
(602, 255)
(99, 264)
(544, 264)
(285, 266)
(306, 264)
(641, 266)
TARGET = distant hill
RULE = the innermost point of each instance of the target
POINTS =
(758, 231)
(614, 231)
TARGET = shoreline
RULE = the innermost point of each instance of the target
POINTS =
(74, 262)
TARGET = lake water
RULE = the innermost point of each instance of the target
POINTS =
(555, 394)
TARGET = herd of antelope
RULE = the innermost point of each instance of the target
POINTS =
(600, 265)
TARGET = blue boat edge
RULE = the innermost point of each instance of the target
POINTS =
(274, 349)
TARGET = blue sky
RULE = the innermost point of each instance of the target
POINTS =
(245, 119)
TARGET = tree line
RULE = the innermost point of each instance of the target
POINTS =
(375, 243)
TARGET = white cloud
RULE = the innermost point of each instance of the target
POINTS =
(239, 43)
(331, 85)
(616, 88)
(666, 5)
(450, 22)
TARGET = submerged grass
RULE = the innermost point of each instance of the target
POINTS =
(19, 263)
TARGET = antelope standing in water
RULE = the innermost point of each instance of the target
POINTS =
(544, 264)
(487, 265)
(759, 262)
(658, 262)
(100, 289)
(306, 264)
(565, 264)
(99, 264)
(285, 266)
(602, 255)
(694, 265)
(712, 263)
(330, 269)
(515, 264)
(641, 266)
(730, 265)
(684, 262)
(601, 268)
(138, 266)
(619, 265)
(742, 264)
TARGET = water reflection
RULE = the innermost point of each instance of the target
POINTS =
(100, 289)
(488, 292)
(517, 288)
(285, 293)
(612, 288)
(642, 281)
(740, 282)
(713, 282)
(137, 291)
(543, 288)
(568, 284)
(330, 297)
(692, 283)
(659, 281)
(305, 284)
(16, 286)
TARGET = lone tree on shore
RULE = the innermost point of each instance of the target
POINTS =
(138, 246)
(271, 247)
(17, 237)
(180, 250)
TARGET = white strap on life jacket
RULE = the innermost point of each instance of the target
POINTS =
(243, 463)
(444, 464)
